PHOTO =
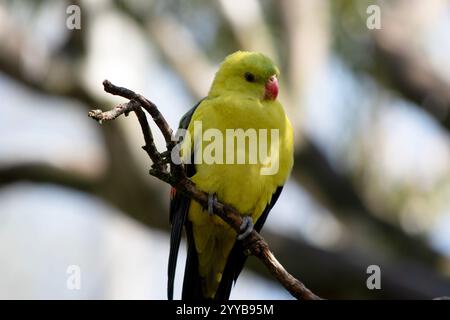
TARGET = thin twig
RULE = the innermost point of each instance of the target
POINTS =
(176, 177)
(124, 108)
(147, 105)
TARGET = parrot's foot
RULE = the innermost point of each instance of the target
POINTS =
(212, 199)
(246, 227)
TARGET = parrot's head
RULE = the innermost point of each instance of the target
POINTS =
(248, 73)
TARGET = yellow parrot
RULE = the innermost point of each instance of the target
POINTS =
(241, 104)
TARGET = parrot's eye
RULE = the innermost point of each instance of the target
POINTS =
(250, 77)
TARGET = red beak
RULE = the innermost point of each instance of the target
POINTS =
(271, 92)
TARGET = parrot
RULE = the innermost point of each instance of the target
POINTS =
(243, 95)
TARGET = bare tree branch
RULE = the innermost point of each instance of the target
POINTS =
(44, 173)
(176, 177)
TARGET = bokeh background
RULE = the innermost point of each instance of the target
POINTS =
(371, 111)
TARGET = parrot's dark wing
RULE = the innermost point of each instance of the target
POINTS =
(192, 282)
(237, 258)
(179, 206)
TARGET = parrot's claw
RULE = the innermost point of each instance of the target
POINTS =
(246, 227)
(212, 199)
